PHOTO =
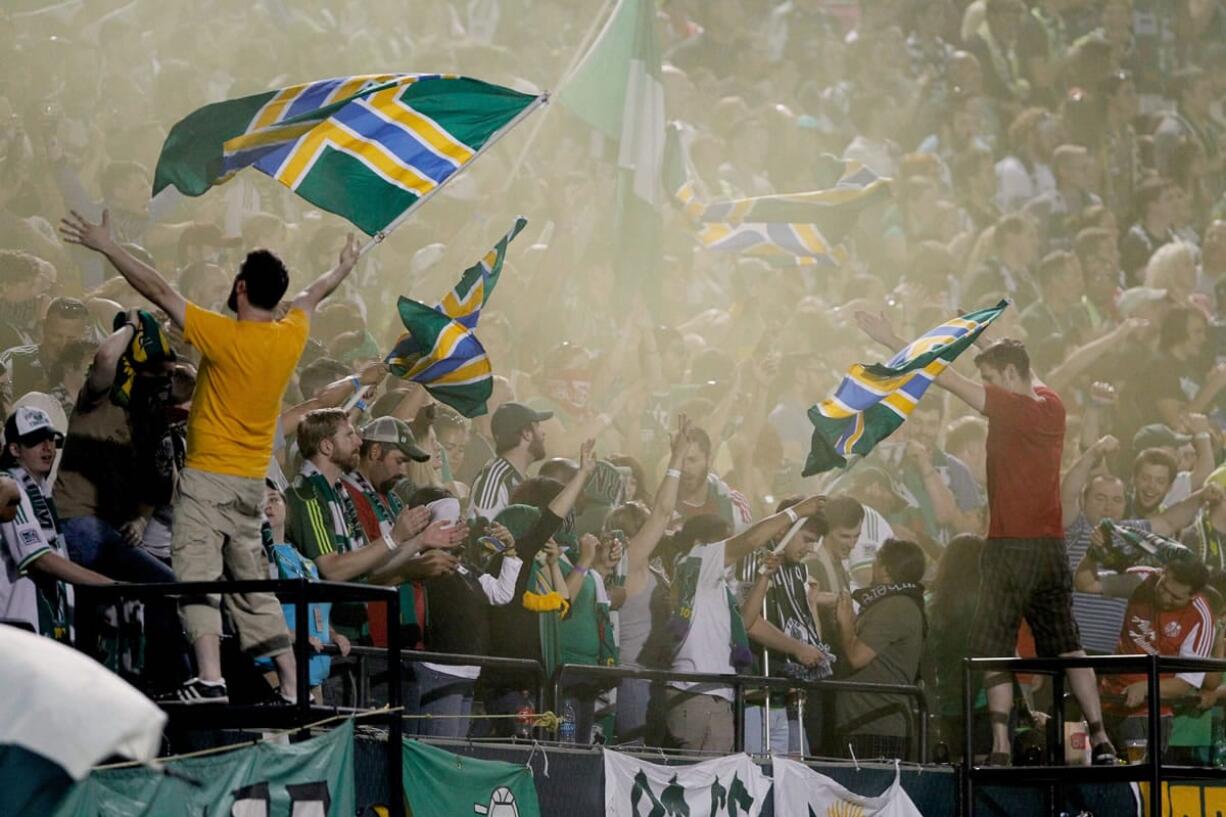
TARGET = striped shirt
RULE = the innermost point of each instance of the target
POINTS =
(492, 489)
(1099, 618)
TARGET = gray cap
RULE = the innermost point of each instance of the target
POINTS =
(394, 432)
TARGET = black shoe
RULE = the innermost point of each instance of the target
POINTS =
(194, 691)
(276, 698)
(1103, 754)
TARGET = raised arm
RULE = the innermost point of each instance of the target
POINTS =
(962, 387)
(762, 533)
(143, 278)
(1177, 517)
(643, 543)
(1202, 439)
(1082, 358)
(106, 359)
(325, 284)
(1076, 477)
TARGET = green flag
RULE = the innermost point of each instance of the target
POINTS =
(617, 90)
(313, 777)
(366, 147)
(438, 783)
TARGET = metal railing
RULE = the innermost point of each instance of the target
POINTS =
(1151, 770)
(301, 593)
(739, 683)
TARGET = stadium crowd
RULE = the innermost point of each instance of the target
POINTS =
(624, 500)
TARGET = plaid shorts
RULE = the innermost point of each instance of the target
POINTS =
(1030, 578)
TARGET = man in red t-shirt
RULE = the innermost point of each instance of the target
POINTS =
(1024, 570)
(1167, 615)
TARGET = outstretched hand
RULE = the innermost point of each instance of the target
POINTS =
(76, 229)
(878, 327)
(349, 253)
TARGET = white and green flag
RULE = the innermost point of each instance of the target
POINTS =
(438, 783)
(730, 786)
(617, 90)
(802, 792)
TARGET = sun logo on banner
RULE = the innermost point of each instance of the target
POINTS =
(502, 804)
(844, 809)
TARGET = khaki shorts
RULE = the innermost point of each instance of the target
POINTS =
(216, 535)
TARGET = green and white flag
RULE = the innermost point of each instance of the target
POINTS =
(617, 90)
(313, 778)
(802, 792)
(368, 148)
(730, 786)
(438, 783)
(62, 713)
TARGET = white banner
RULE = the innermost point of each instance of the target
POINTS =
(802, 792)
(732, 786)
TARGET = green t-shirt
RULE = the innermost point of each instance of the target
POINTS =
(580, 631)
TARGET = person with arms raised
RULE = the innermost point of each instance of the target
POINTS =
(246, 363)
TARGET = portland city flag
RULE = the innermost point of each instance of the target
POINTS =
(438, 783)
(875, 399)
(367, 148)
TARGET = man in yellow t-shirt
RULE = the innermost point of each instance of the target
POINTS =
(245, 367)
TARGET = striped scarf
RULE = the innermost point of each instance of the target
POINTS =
(55, 598)
(343, 516)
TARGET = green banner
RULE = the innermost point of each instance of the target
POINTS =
(314, 777)
(438, 783)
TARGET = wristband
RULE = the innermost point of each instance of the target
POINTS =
(580, 569)
(391, 544)
(791, 515)
(357, 384)
(673, 472)
(360, 405)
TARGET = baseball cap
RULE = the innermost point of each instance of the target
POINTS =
(29, 426)
(511, 418)
(394, 432)
(1157, 435)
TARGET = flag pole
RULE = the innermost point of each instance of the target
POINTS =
(598, 25)
(378, 237)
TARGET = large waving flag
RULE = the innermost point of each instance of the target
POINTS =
(367, 148)
(440, 350)
(617, 91)
(789, 229)
(874, 400)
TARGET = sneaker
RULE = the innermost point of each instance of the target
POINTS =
(195, 691)
(1103, 754)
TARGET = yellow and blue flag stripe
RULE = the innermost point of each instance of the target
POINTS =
(440, 350)
(365, 147)
(873, 400)
(790, 229)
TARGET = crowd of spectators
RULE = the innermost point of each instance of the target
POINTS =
(624, 500)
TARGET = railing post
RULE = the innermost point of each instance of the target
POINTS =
(1055, 728)
(921, 701)
(302, 638)
(738, 715)
(1155, 737)
(557, 699)
(968, 739)
(395, 727)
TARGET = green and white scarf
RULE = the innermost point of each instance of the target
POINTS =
(346, 531)
(55, 598)
(684, 589)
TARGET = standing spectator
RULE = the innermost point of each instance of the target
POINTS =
(519, 441)
(1155, 217)
(36, 590)
(246, 365)
(996, 44)
(1195, 92)
(707, 622)
(954, 595)
(1026, 173)
(1015, 244)
(1119, 154)
(20, 275)
(29, 367)
(883, 645)
(1025, 570)
(1056, 210)
(702, 492)
(1057, 322)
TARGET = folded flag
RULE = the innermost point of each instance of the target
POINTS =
(874, 400)
(439, 349)
(1123, 547)
(438, 783)
(790, 229)
(148, 350)
(366, 147)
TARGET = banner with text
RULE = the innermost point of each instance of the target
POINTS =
(732, 786)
